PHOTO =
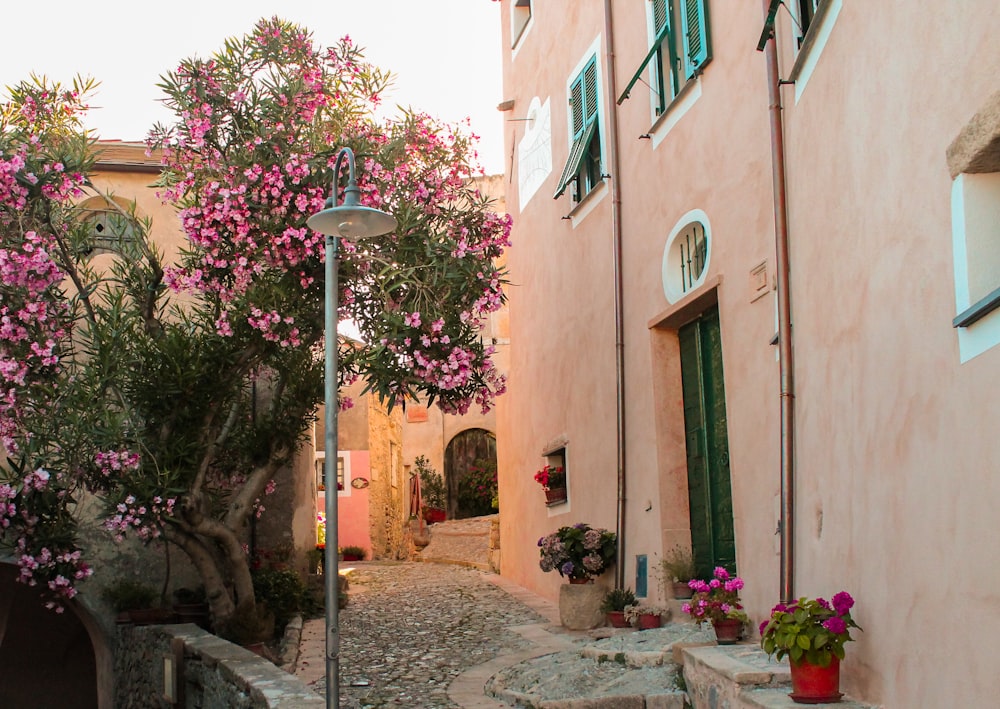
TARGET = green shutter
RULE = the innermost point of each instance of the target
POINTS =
(694, 28)
(577, 153)
(660, 17)
(590, 91)
(576, 103)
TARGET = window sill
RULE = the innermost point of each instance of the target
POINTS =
(676, 110)
(813, 44)
(582, 208)
(978, 310)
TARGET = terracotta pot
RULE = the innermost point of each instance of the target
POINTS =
(616, 619)
(812, 684)
(727, 632)
(648, 621)
(555, 496)
(682, 590)
(432, 515)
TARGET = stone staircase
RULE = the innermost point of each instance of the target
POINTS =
(741, 677)
(472, 542)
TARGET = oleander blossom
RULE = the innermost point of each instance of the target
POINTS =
(809, 629)
(578, 552)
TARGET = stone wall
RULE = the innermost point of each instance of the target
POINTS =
(211, 673)
(389, 485)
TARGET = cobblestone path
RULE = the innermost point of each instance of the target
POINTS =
(410, 629)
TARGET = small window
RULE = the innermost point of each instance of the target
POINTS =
(583, 167)
(320, 463)
(680, 49)
(974, 164)
(520, 15)
(686, 255)
(110, 225)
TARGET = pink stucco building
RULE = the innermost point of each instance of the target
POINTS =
(752, 309)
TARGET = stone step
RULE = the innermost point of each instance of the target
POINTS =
(461, 541)
(742, 676)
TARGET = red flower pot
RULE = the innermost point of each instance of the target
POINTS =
(555, 496)
(648, 621)
(432, 515)
(617, 619)
(727, 632)
(812, 684)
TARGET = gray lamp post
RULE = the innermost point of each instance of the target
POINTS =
(348, 221)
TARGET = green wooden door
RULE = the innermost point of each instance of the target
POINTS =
(713, 536)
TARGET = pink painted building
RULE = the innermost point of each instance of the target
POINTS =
(753, 309)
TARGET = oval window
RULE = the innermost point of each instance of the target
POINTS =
(686, 255)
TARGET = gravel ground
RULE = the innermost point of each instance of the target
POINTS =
(410, 629)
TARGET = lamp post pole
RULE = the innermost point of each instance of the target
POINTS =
(331, 569)
(350, 221)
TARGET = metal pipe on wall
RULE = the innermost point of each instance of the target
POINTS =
(785, 361)
(616, 238)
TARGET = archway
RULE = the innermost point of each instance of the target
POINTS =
(46, 659)
(470, 466)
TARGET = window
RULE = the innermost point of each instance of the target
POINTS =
(110, 225)
(686, 255)
(974, 164)
(812, 23)
(680, 49)
(803, 13)
(520, 15)
(583, 168)
(320, 463)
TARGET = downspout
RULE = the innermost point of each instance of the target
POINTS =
(616, 239)
(785, 362)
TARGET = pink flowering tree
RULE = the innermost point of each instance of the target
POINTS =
(203, 374)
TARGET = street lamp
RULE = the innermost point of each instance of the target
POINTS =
(347, 221)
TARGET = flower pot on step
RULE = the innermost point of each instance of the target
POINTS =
(812, 684)
(727, 632)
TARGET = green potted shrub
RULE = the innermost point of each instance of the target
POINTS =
(615, 602)
(676, 570)
(433, 491)
(352, 553)
(134, 601)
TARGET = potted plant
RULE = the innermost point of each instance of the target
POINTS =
(134, 602)
(190, 606)
(553, 481)
(717, 601)
(433, 492)
(579, 553)
(812, 633)
(646, 617)
(676, 570)
(615, 602)
(352, 553)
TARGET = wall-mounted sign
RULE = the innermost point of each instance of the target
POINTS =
(359, 483)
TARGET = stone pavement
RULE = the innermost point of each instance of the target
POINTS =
(443, 635)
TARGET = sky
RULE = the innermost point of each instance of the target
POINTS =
(445, 54)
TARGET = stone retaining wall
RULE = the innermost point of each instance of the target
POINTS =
(211, 673)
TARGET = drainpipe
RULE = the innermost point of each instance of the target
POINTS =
(616, 239)
(785, 364)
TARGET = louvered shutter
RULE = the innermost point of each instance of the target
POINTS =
(576, 100)
(590, 91)
(694, 28)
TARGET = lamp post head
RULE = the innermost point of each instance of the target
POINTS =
(350, 220)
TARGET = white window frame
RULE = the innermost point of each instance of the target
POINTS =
(673, 288)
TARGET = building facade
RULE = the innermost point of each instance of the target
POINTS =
(756, 259)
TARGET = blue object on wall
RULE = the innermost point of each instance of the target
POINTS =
(640, 575)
